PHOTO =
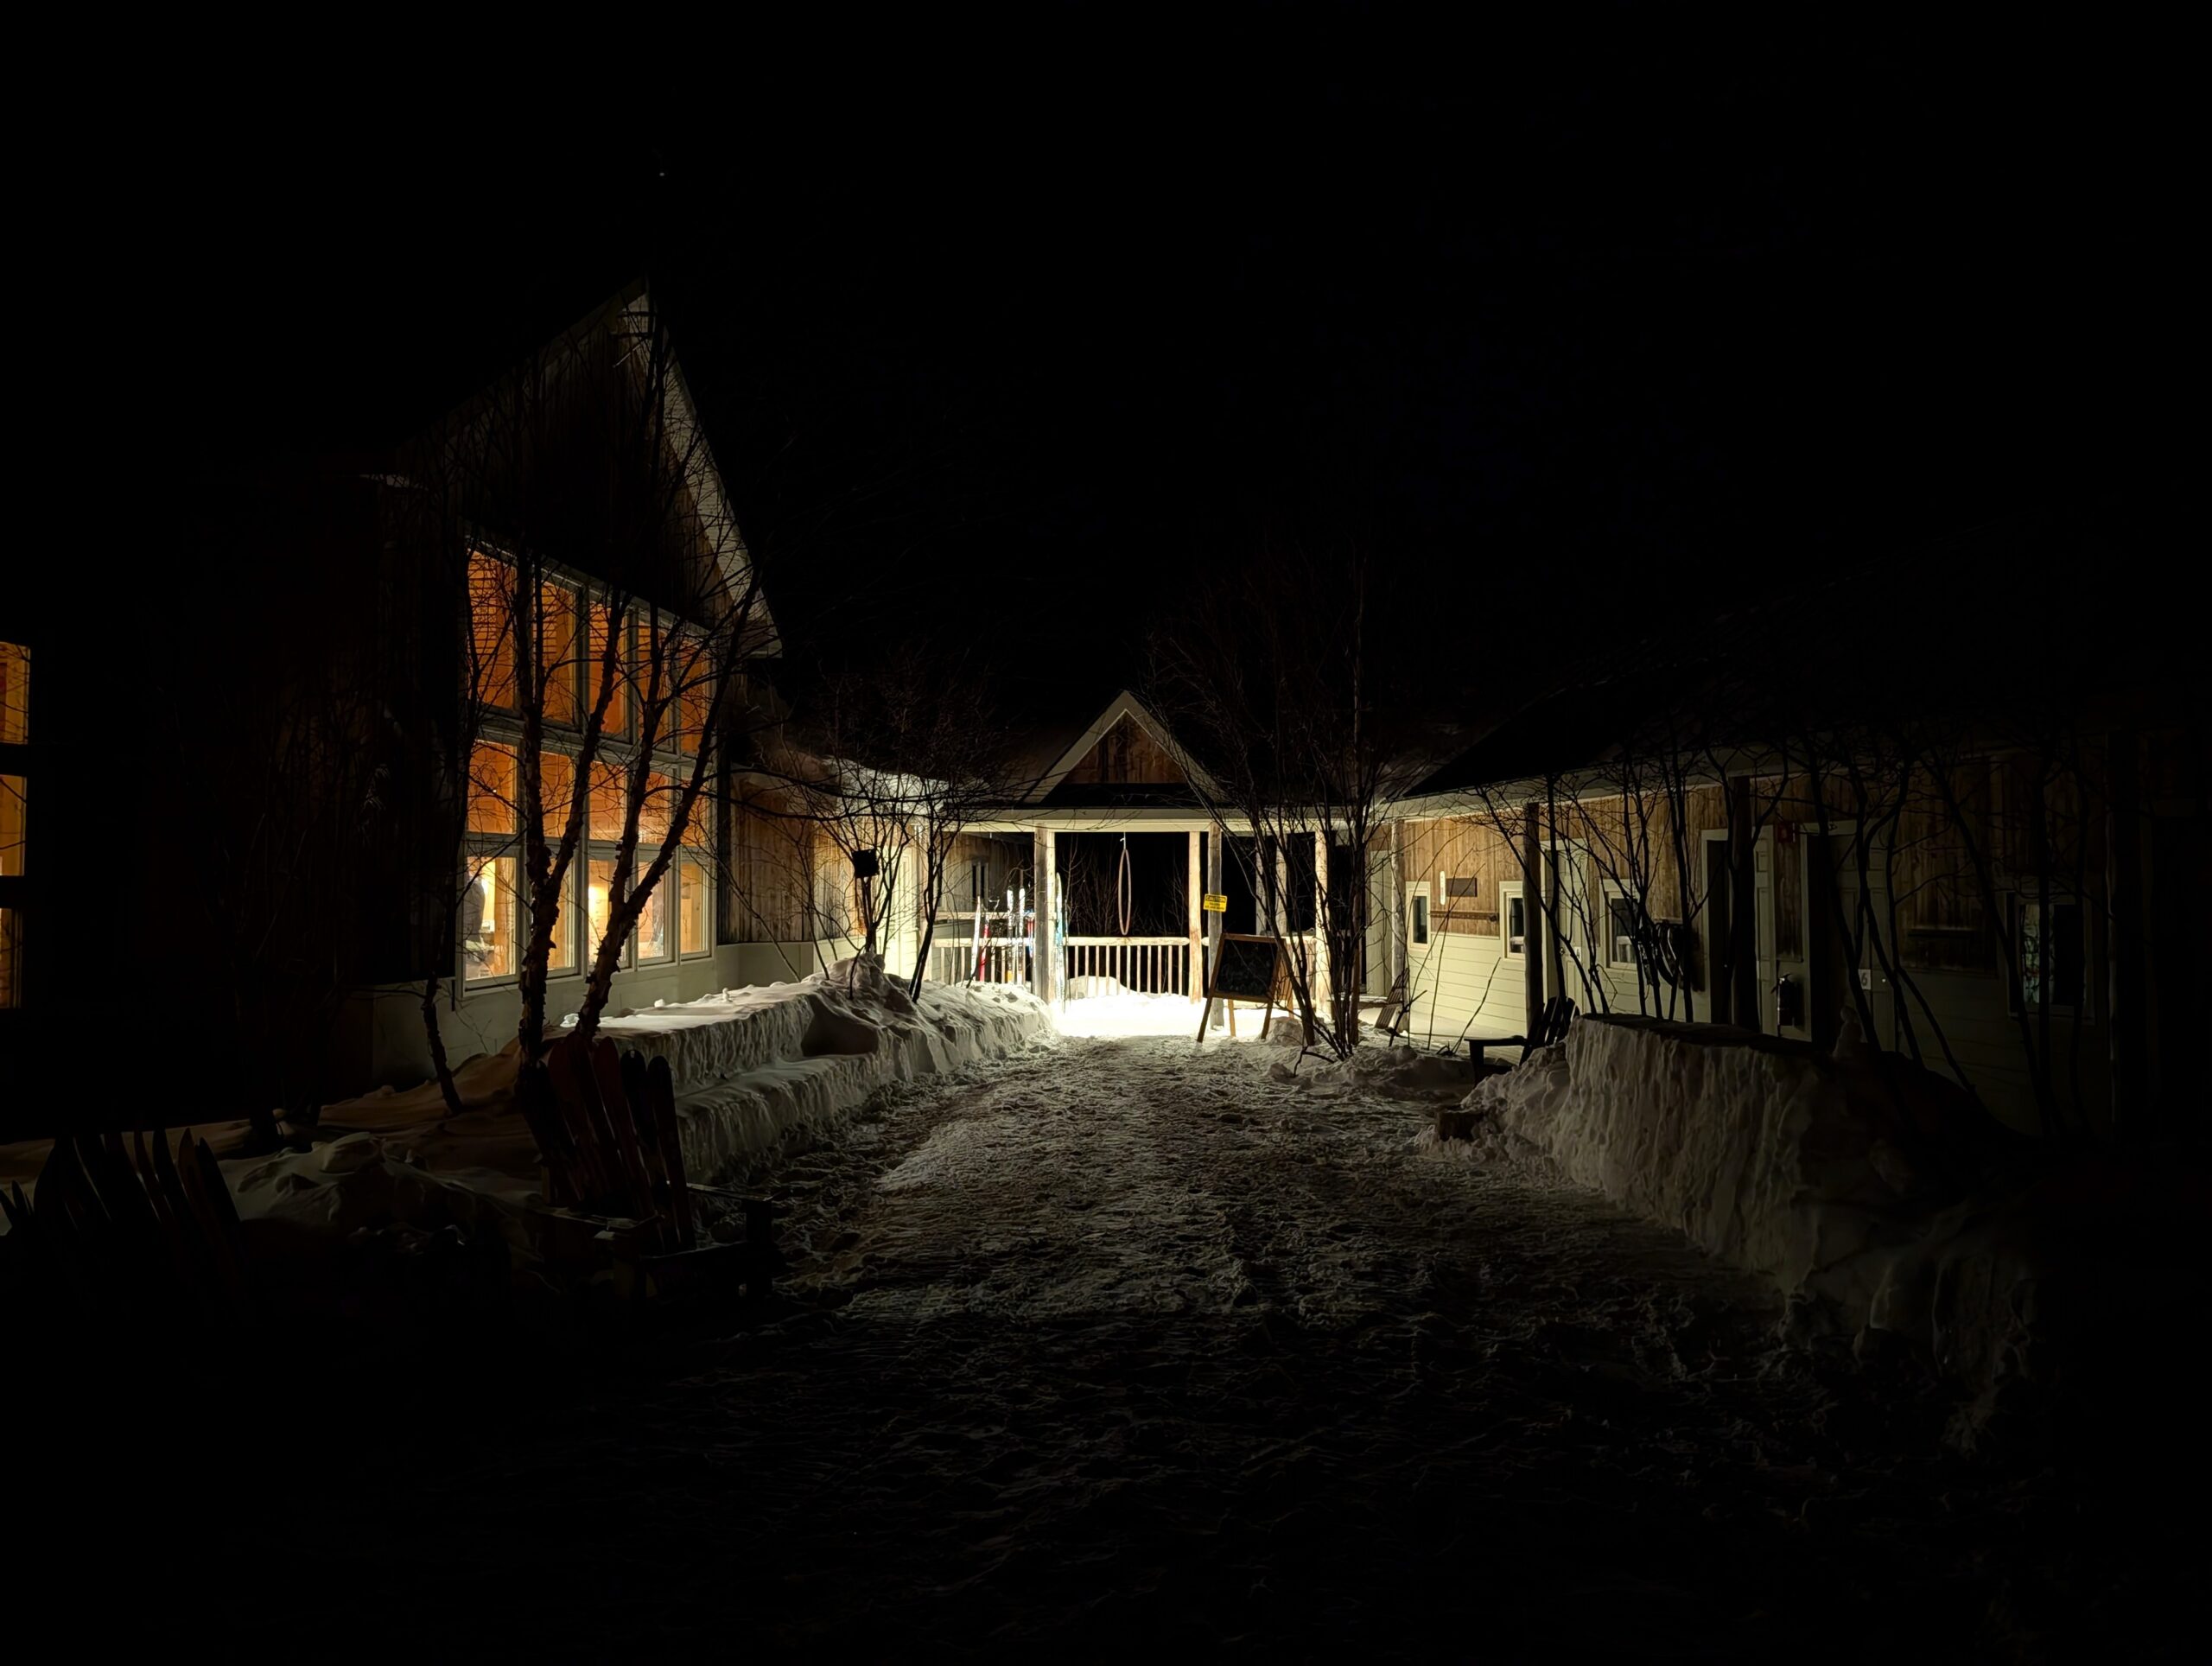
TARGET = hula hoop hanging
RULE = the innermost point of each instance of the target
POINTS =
(1125, 889)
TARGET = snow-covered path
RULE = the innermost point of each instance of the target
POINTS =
(1104, 1344)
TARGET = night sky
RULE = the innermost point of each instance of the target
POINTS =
(1509, 321)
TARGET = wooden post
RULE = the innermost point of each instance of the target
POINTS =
(1047, 984)
(1532, 946)
(1217, 874)
(1325, 982)
(1194, 974)
(2127, 986)
(1743, 990)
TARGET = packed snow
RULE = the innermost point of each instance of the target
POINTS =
(1121, 1340)
(1877, 1199)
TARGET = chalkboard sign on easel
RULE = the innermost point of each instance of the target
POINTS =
(1246, 968)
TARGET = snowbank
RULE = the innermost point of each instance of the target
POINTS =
(752, 1067)
(1817, 1172)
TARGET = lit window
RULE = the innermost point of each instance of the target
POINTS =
(489, 918)
(556, 652)
(15, 694)
(490, 673)
(14, 819)
(609, 794)
(652, 937)
(563, 956)
(556, 780)
(694, 667)
(691, 928)
(616, 721)
(491, 789)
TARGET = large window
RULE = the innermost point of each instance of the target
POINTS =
(575, 640)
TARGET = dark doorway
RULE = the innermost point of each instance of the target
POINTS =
(1156, 889)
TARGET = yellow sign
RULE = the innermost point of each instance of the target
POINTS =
(1214, 903)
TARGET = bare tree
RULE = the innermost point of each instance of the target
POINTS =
(896, 766)
(1311, 734)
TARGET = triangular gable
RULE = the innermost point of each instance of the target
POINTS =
(687, 443)
(1124, 707)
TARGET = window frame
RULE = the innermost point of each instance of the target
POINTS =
(706, 905)
(1611, 892)
(1511, 892)
(1420, 915)
(2081, 1010)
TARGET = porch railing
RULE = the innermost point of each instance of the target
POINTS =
(1150, 965)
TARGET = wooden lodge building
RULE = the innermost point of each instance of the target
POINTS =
(1991, 862)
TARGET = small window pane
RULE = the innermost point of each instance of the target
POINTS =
(14, 817)
(1623, 912)
(1516, 925)
(491, 789)
(489, 918)
(599, 905)
(2054, 956)
(15, 694)
(692, 930)
(556, 780)
(652, 924)
(610, 787)
(564, 956)
(556, 639)
(656, 813)
(490, 672)
(1420, 920)
(616, 721)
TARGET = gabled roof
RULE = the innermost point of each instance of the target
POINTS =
(1123, 706)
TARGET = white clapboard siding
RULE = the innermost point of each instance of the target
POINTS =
(1464, 985)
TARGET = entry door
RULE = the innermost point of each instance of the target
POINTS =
(1783, 956)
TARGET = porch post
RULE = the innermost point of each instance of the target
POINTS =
(1324, 945)
(1047, 980)
(1743, 974)
(1216, 843)
(1196, 972)
(1532, 946)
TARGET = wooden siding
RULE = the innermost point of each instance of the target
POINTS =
(1127, 755)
